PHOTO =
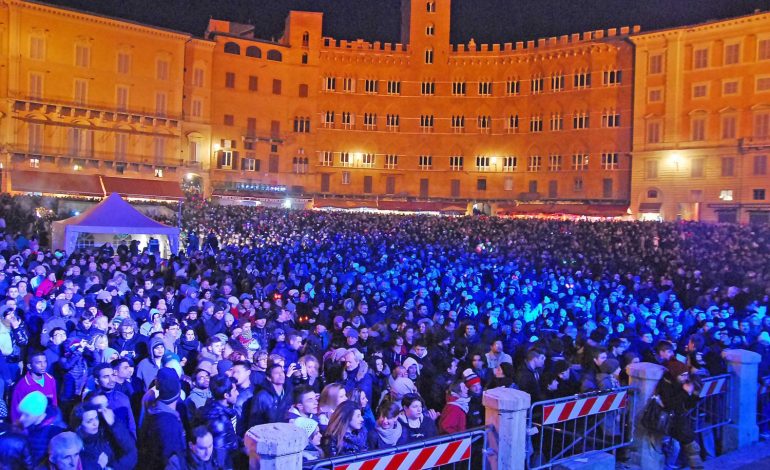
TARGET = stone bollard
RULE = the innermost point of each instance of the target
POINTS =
(275, 446)
(506, 412)
(643, 378)
(742, 431)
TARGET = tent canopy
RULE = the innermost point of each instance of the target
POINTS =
(113, 216)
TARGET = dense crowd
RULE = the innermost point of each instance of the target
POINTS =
(365, 331)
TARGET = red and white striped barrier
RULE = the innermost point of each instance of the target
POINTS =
(418, 459)
(581, 407)
(713, 387)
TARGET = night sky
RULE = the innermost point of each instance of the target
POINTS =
(487, 21)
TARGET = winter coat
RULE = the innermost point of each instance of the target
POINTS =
(162, 435)
(114, 441)
(265, 407)
(425, 430)
(352, 443)
(219, 420)
(361, 378)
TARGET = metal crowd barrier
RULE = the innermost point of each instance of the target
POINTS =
(449, 452)
(713, 408)
(580, 425)
(763, 405)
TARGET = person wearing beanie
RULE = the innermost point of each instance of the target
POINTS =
(40, 421)
(475, 412)
(313, 432)
(609, 375)
(148, 367)
(162, 433)
(679, 394)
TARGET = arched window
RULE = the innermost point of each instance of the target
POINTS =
(274, 55)
(232, 48)
(254, 51)
(305, 39)
(304, 58)
(430, 7)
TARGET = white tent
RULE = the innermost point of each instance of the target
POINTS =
(113, 220)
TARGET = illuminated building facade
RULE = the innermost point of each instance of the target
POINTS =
(702, 122)
(536, 127)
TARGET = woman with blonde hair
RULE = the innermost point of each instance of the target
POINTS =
(331, 397)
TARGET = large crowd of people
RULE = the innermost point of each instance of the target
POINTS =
(365, 331)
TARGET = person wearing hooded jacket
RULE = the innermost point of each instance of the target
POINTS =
(679, 394)
(453, 416)
(162, 433)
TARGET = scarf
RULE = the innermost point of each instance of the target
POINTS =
(389, 436)
(460, 402)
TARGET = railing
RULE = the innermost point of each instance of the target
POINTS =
(580, 425)
(712, 413)
(452, 451)
(763, 405)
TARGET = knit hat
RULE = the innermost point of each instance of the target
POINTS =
(168, 385)
(609, 366)
(677, 368)
(224, 365)
(34, 404)
(471, 378)
(306, 424)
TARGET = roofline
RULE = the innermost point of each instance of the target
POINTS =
(699, 25)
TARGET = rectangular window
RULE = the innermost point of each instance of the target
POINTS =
(367, 160)
(485, 88)
(651, 169)
(425, 162)
(557, 82)
(763, 84)
(198, 78)
(458, 124)
(730, 87)
(346, 177)
(536, 85)
(428, 56)
(345, 159)
(610, 161)
(249, 164)
(327, 158)
(579, 162)
(36, 86)
(327, 119)
(611, 119)
(427, 88)
(482, 163)
(196, 108)
(456, 163)
(607, 188)
(349, 85)
(121, 98)
(533, 186)
(760, 165)
(162, 69)
(732, 54)
(454, 188)
(553, 189)
(762, 125)
(391, 162)
(508, 183)
(459, 88)
(653, 132)
(229, 80)
(330, 83)
(535, 163)
(160, 103)
(554, 163)
(392, 122)
(759, 194)
(510, 163)
(697, 167)
(580, 120)
(37, 48)
(481, 184)
(371, 86)
(229, 120)
(82, 55)
(253, 83)
(275, 132)
(729, 124)
(394, 87)
(655, 95)
(577, 184)
(513, 124)
(226, 159)
(325, 182)
(35, 139)
(276, 86)
(348, 120)
(763, 49)
(612, 77)
(728, 166)
(160, 150)
(121, 147)
(656, 64)
(426, 123)
(302, 125)
(484, 123)
(536, 124)
(698, 129)
(513, 87)
(700, 58)
(726, 195)
(424, 185)
(700, 90)
(582, 79)
(390, 185)
(370, 121)
(557, 122)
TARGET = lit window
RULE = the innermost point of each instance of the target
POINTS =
(726, 195)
